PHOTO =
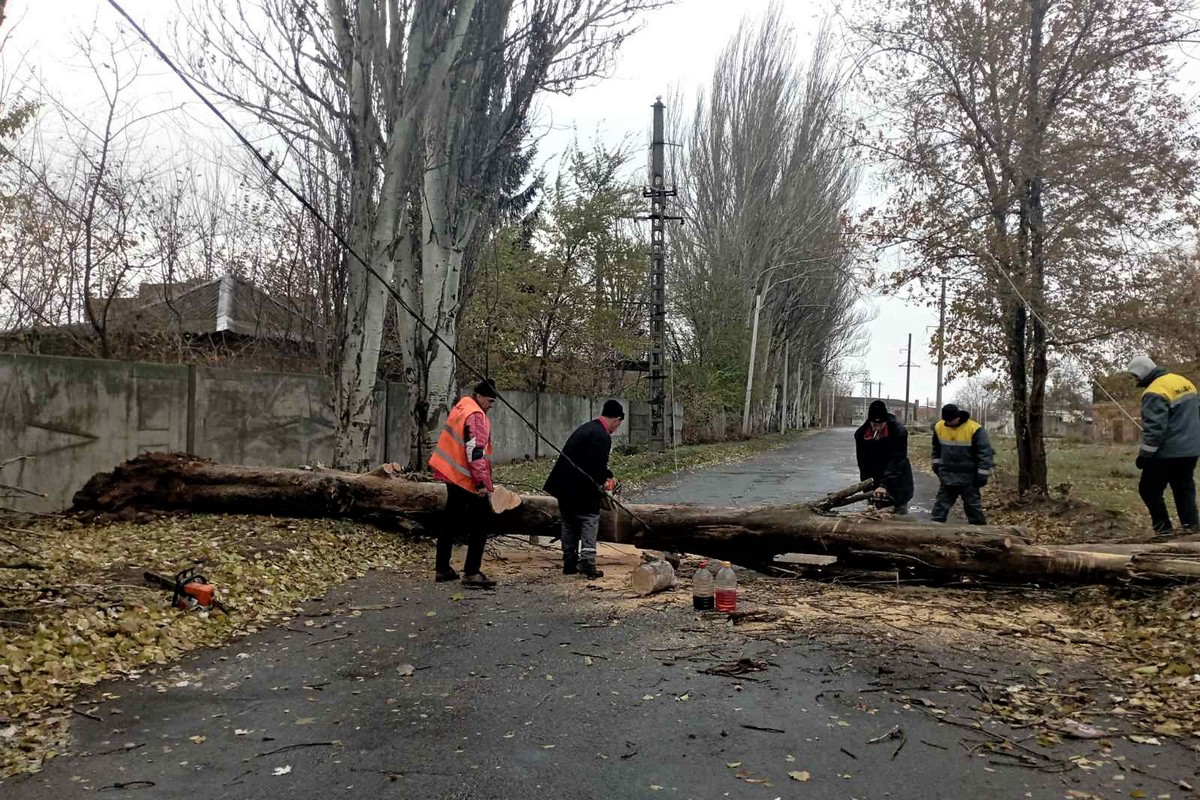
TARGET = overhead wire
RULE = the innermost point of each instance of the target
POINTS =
(274, 173)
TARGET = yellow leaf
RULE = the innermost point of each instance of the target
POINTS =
(802, 776)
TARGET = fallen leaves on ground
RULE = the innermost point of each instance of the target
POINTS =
(86, 615)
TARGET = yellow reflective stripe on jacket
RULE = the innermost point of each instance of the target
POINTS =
(1170, 418)
(1172, 388)
(956, 437)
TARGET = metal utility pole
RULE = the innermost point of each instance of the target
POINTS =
(908, 367)
(658, 192)
(941, 343)
(750, 372)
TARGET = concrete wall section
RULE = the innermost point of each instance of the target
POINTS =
(269, 419)
(262, 418)
(75, 417)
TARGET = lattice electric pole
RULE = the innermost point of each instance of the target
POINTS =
(658, 192)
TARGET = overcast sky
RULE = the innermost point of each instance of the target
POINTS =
(677, 46)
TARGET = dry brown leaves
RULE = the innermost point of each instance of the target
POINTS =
(84, 615)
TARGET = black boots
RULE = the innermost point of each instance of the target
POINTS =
(478, 581)
(589, 571)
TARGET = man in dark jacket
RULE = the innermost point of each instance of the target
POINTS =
(1170, 444)
(962, 460)
(578, 480)
(881, 445)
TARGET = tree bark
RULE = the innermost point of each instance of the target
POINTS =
(843, 497)
(747, 536)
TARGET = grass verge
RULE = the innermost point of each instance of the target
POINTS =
(637, 469)
(1093, 491)
(75, 611)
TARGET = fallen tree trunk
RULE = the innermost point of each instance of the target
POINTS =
(386, 497)
(750, 537)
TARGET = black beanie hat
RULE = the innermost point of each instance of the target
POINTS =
(878, 412)
(485, 388)
(613, 410)
(950, 412)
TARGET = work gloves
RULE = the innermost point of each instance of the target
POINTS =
(1141, 462)
(981, 481)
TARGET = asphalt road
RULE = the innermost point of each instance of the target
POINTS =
(806, 470)
(552, 687)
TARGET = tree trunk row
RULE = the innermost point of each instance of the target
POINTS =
(747, 536)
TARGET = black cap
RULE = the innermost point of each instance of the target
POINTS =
(612, 410)
(485, 388)
(877, 412)
(950, 412)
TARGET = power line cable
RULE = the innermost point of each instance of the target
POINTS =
(316, 214)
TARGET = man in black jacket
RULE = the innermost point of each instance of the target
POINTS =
(579, 479)
(881, 445)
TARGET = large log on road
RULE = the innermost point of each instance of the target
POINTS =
(750, 537)
(175, 481)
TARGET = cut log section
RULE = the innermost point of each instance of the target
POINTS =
(845, 497)
(747, 536)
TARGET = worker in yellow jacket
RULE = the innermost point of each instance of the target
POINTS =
(962, 460)
(1170, 444)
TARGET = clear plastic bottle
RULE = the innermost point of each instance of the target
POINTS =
(702, 589)
(726, 599)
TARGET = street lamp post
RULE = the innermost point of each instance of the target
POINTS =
(758, 304)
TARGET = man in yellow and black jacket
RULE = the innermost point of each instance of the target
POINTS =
(962, 460)
(1170, 444)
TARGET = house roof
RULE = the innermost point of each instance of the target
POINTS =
(227, 304)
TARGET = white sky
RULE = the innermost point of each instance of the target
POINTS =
(678, 46)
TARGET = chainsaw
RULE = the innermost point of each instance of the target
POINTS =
(880, 501)
(189, 591)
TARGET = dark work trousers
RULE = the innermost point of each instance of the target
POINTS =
(972, 502)
(579, 532)
(1179, 474)
(469, 516)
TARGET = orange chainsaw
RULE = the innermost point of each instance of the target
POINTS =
(189, 591)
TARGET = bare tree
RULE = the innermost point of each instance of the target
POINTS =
(78, 238)
(765, 180)
(428, 94)
(1042, 146)
(327, 75)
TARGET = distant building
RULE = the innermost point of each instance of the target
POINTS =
(227, 321)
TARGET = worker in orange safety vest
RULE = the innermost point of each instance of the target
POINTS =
(462, 460)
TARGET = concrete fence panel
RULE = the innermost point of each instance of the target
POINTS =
(75, 417)
(262, 418)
